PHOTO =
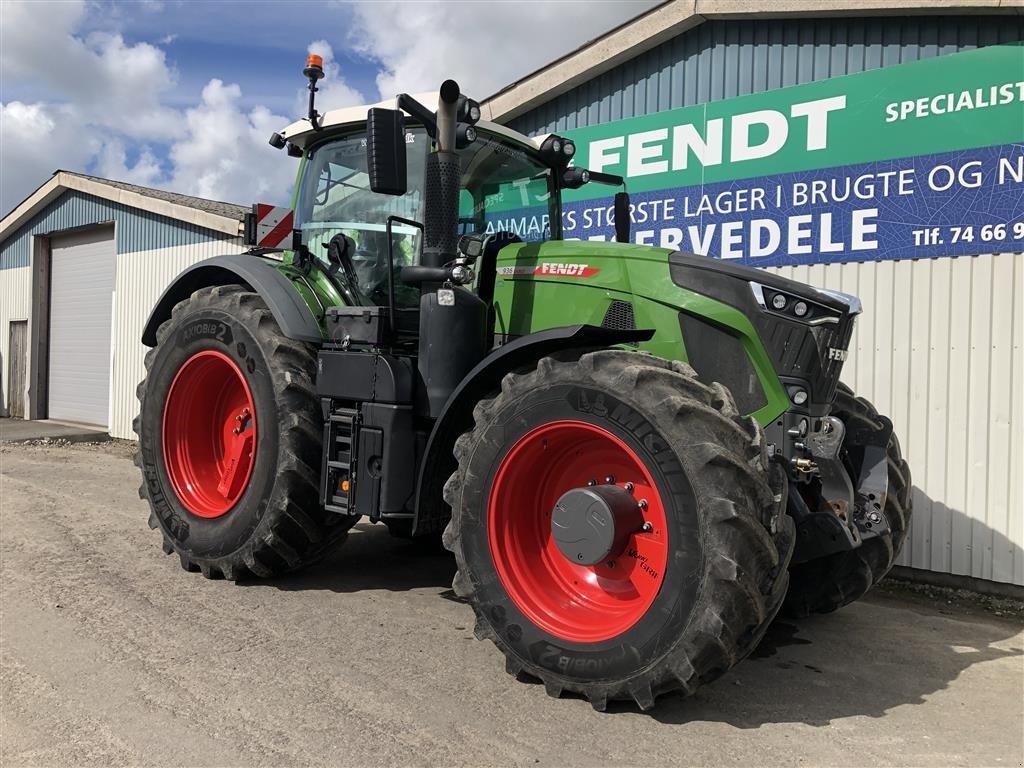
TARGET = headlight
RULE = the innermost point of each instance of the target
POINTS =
(557, 151)
(800, 308)
(779, 301)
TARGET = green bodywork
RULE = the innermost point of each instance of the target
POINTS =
(529, 299)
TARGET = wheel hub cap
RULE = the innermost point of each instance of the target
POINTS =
(592, 525)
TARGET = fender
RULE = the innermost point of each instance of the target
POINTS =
(260, 274)
(456, 417)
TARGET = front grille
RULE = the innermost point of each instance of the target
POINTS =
(802, 351)
(619, 316)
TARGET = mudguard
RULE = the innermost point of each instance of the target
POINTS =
(431, 513)
(259, 273)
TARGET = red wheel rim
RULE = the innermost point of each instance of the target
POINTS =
(579, 603)
(209, 434)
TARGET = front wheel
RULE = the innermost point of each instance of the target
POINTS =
(230, 440)
(615, 528)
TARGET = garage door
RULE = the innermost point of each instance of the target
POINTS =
(81, 294)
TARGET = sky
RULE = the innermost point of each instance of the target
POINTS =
(183, 94)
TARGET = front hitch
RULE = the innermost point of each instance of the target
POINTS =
(846, 478)
(872, 446)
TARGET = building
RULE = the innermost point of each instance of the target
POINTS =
(82, 262)
(938, 346)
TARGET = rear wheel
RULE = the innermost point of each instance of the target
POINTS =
(828, 583)
(230, 440)
(615, 527)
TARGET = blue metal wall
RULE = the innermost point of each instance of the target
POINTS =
(136, 230)
(725, 59)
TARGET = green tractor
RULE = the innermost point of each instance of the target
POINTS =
(637, 456)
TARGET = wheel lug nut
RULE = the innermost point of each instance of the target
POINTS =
(647, 527)
(629, 487)
(245, 411)
(591, 483)
(235, 431)
(642, 503)
(610, 479)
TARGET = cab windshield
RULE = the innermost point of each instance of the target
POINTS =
(504, 188)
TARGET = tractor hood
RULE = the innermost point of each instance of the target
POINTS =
(602, 262)
(608, 264)
(734, 323)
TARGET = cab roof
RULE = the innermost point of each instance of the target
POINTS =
(301, 132)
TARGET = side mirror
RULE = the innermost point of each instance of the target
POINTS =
(622, 217)
(385, 151)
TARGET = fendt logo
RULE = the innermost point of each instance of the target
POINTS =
(554, 270)
(836, 354)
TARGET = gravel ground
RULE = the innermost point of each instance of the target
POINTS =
(111, 654)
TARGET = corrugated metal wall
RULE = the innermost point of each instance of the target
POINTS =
(939, 344)
(140, 279)
(938, 349)
(725, 59)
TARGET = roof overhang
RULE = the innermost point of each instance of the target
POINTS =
(675, 17)
(62, 181)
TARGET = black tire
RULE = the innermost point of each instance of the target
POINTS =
(829, 583)
(277, 524)
(727, 569)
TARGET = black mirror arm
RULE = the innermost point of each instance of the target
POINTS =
(420, 112)
(607, 178)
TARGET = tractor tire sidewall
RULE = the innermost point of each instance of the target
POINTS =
(665, 620)
(197, 330)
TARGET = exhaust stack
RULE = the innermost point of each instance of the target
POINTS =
(441, 190)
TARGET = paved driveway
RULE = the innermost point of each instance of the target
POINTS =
(110, 654)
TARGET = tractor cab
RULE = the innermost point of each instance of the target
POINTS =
(365, 180)
(334, 196)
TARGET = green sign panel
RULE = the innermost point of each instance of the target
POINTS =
(962, 101)
(913, 161)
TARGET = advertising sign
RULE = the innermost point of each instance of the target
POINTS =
(918, 160)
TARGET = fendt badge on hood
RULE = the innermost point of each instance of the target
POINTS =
(555, 270)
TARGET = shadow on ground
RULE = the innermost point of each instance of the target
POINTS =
(372, 558)
(864, 660)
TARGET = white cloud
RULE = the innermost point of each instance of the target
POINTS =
(112, 164)
(35, 140)
(98, 100)
(107, 82)
(483, 45)
(223, 153)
